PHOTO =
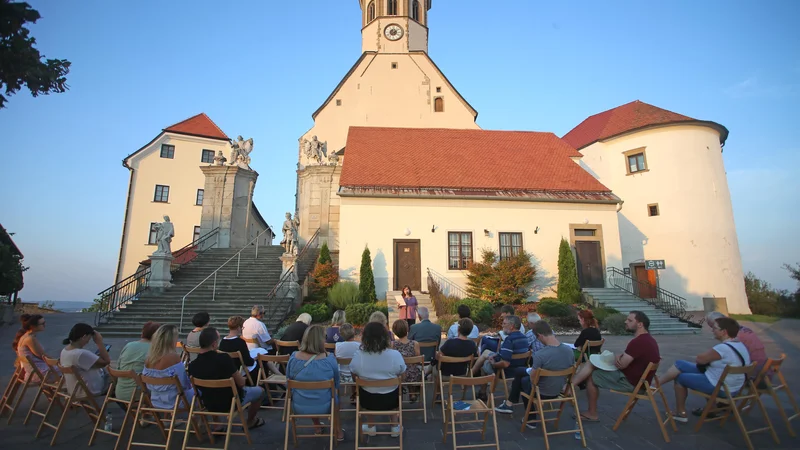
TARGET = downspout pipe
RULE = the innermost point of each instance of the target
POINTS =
(124, 221)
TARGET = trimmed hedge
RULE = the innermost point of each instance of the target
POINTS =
(481, 311)
(343, 294)
(358, 313)
(320, 312)
(601, 312)
(554, 308)
(615, 323)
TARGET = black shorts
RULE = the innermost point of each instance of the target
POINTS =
(378, 402)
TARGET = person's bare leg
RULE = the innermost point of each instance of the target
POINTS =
(592, 394)
(680, 399)
(339, 429)
(583, 374)
(252, 412)
(671, 374)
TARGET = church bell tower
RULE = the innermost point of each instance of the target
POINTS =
(394, 26)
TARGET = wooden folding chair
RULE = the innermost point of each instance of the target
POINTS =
(476, 407)
(18, 380)
(198, 409)
(146, 408)
(360, 435)
(80, 396)
(280, 345)
(763, 384)
(273, 379)
(423, 345)
(545, 406)
(418, 360)
(647, 390)
(51, 381)
(330, 347)
(189, 354)
(722, 395)
(344, 386)
(291, 417)
(237, 356)
(502, 377)
(585, 350)
(440, 380)
(131, 404)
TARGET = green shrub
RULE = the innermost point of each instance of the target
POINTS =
(569, 290)
(601, 312)
(615, 323)
(554, 308)
(384, 308)
(366, 283)
(342, 294)
(358, 313)
(544, 299)
(451, 304)
(446, 321)
(569, 321)
(481, 311)
(324, 254)
(319, 311)
(507, 281)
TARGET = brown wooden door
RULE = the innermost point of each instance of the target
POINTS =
(590, 264)
(407, 266)
(646, 282)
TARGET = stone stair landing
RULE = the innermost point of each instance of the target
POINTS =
(422, 300)
(624, 302)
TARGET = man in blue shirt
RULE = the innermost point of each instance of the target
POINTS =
(515, 343)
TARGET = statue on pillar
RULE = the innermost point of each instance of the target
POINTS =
(315, 150)
(165, 231)
(240, 151)
(289, 229)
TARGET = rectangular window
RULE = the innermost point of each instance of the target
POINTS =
(151, 238)
(460, 250)
(510, 245)
(162, 194)
(438, 89)
(196, 233)
(338, 102)
(167, 151)
(585, 232)
(394, 65)
(652, 210)
(636, 163)
(199, 199)
(208, 156)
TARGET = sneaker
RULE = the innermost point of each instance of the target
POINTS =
(369, 430)
(678, 417)
(504, 408)
(530, 425)
(395, 431)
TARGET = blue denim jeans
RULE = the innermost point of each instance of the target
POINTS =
(691, 378)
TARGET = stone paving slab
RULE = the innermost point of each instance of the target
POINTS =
(640, 431)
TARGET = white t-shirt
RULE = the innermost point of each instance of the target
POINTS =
(385, 365)
(346, 349)
(452, 333)
(728, 358)
(83, 360)
(255, 329)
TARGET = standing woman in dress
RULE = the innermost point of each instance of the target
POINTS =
(409, 312)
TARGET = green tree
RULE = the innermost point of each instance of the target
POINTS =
(366, 285)
(11, 268)
(324, 254)
(569, 290)
(761, 297)
(501, 282)
(21, 63)
(98, 304)
(324, 275)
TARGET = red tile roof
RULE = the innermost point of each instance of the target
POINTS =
(464, 160)
(628, 117)
(199, 125)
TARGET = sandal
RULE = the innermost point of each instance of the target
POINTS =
(585, 418)
(259, 423)
(341, 439)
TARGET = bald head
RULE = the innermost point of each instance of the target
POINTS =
(422, 311)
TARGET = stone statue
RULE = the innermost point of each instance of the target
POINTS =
(220, 159)
(289, 229)
(241, 150)
(333, 159)
(164, 233)
(315, 150)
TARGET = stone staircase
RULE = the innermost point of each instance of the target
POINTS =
(234, 295)
(624, 302)
(422, 300)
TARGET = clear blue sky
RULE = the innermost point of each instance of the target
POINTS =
(260, 68)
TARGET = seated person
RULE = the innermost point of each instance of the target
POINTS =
(624, 372)
(426, 331)
(463, 313)
(492, 341)
(26, 344)
(380, 318)
(554, 356)
(200, 321)
(88, 365)
(533, 341)
(407, 347)
(332, 335)
(132, 358)
(295, 332)
(703, 374)
(312, 363)
(346, 348)
(590, 331)
(212, 365)
(515, 343)
(460, 347)
(233, 342)
(163, 361)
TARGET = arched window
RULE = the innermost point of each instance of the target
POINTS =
(371, 12)
(391, 7)
(438, 104)
(415, 10)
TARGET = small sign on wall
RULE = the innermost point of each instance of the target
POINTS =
(655, 264)
(626, 270)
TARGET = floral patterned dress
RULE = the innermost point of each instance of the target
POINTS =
(413, 372)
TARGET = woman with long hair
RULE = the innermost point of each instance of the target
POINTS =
(377, 361)
(332, 335)
(409, 311)
(311, 363)
(590, 331)
(163, 361)
(26, 344)
(88, 364)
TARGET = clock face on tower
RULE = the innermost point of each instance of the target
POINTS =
(393, 32)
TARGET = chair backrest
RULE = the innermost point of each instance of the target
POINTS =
(343, 361)
(648, 374)
(428, 348)
(770, 367)
(163, 381)
(477, 341)
(311, 385)
(585, 349)
(467, 361)
(413, 359)
(116, 375)
(250, 340)
(525, 355)
(281, 344)
(34, 371)
(363, 382)
(199, 383)
(80, 389)
(237, 355)
(330, 347)
(427, 344)
(542, 373)
(487, 380)
(52, 373)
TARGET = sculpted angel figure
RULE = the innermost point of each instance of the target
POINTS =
(241, 147)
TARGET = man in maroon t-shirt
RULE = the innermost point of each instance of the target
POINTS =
(630, 365)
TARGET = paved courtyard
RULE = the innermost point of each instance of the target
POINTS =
(639, 432)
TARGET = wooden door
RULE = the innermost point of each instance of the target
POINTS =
(646, 282)
(590, 264)
(407, 266)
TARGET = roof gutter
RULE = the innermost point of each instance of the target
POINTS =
(484, 197)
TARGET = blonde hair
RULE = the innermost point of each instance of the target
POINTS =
(235, 322)
(313, 341)
(162, 343)
(379, 317)
(338, 318)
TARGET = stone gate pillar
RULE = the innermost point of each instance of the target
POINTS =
(226, 203)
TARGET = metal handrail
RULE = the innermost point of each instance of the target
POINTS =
(439, 287)
(289, 276)
(129, 289)
(666, 301)
(238, 257)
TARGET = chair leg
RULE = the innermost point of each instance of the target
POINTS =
(710, 403)
(540, 411)
(526, 416)
(658, 415)
(453, 424)
(125, 421)
(766, 418)
(742, 428)
(578, 421)
(782, 412)
(670, 419)
(628, 408)
(61, 422)
(99, 420)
